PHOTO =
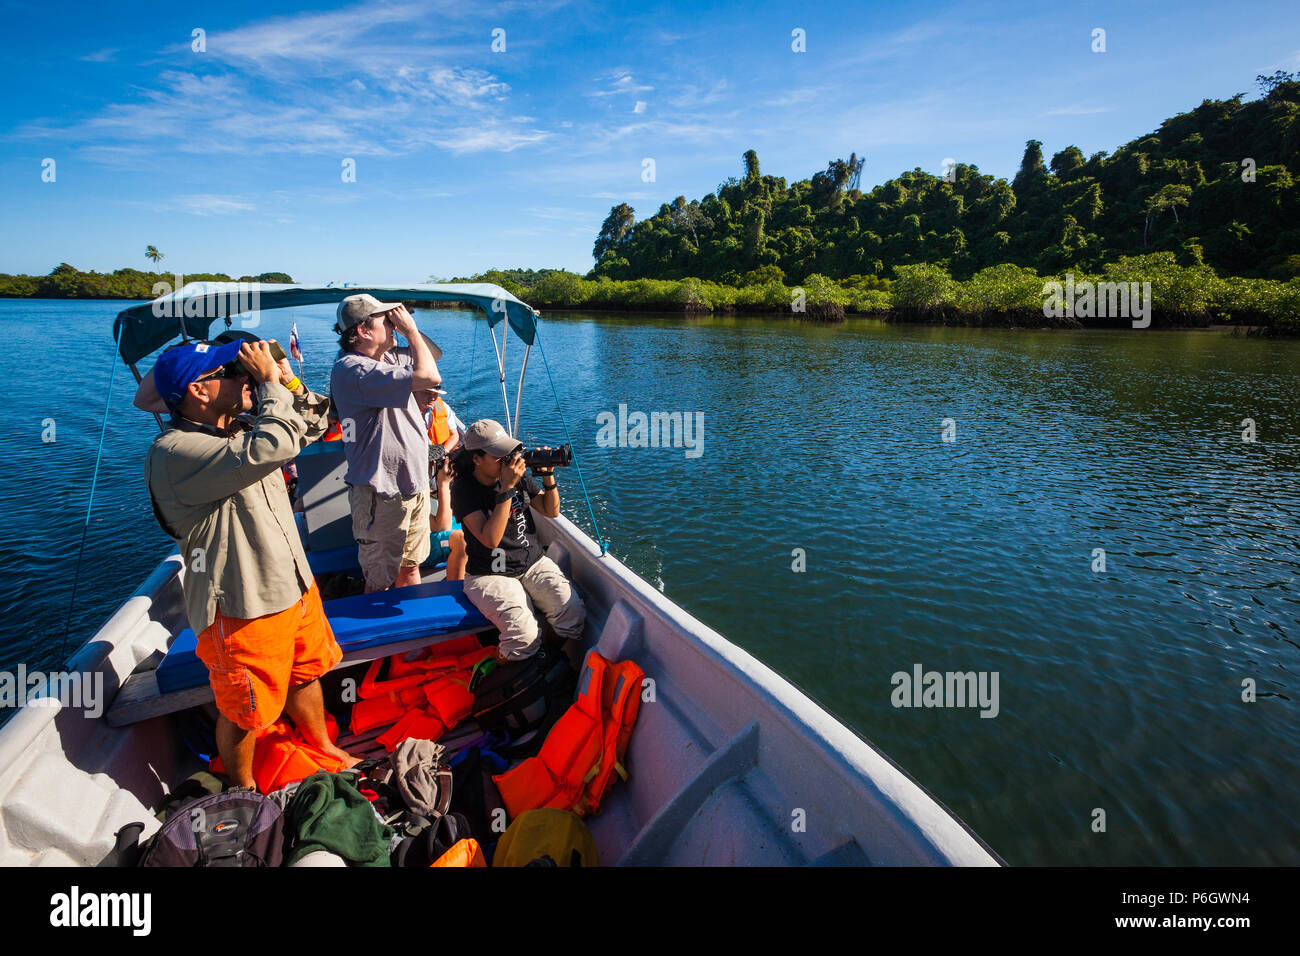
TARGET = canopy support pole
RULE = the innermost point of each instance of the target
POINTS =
(519, 392)
(501, 368)
(138, 379)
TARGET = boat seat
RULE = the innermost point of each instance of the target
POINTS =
(365, 625)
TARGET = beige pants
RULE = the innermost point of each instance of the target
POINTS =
(508, 603)
(390, 533)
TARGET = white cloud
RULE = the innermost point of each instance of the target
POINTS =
(1078, 110)
(473, 139)
(99, 56)
(693, 96)
(375, 78)
(555, 212)
(206, 204)
(801, 95)
(640, 107)
(463, 88)
(225, 112)
(619, 81)
(697, 132)
(314, 38)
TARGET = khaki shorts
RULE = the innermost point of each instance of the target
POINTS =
(390, 533)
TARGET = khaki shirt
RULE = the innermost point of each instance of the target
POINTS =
(221, 497)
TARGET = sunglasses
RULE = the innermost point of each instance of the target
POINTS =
(232, 370)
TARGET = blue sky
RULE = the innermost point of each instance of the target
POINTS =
(467, 158)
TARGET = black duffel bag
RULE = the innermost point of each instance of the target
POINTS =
(523, 699)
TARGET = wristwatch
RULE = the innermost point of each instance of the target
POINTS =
(504, 495)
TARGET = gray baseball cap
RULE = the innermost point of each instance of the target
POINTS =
(488, 436)
(358, 308)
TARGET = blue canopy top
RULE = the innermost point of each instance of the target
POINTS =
(147, 327)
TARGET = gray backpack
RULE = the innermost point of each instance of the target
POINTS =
(238, 828)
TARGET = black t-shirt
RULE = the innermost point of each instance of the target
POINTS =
(519, 542)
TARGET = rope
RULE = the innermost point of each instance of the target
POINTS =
(94, 479)
(537, 337)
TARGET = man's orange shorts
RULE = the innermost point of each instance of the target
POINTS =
(252, 663)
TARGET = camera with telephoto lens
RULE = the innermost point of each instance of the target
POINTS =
(437, 455)
(548, 457)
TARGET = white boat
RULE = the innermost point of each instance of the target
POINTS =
(729, 763)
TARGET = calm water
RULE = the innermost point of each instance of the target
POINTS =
(1118, 690)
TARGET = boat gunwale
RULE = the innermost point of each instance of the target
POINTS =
(837, 739)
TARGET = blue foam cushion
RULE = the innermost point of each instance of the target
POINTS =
(360, 623)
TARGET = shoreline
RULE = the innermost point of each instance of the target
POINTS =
(1023, 321)
(1158, 323)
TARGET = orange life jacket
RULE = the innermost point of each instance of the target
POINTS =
(439, 427)
(282, 756)
(414, 723)
(456, 654)
(584, 749)
(462, 853)
(423, 698)
(376, 712)
(333, 433)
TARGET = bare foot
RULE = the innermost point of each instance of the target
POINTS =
(343, 756)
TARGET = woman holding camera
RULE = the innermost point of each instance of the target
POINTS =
(508, 573)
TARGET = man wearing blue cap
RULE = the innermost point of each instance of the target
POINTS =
(214, 479)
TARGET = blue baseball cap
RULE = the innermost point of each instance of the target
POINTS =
(179, 366)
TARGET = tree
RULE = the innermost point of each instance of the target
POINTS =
(614, 231)
(690, 216)
(152, 253)
(755, 238)
(1032, 171)
(826, 185)
(1168, 197)
(855, 171)
(1068, 162)
(1079, 213)
(1268, 82)
(763, 274)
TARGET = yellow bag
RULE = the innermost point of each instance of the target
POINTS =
(546, 837)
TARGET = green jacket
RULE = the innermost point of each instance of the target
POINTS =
(329, 813)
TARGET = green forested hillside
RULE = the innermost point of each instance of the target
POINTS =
(1182, 188)
(69, 282)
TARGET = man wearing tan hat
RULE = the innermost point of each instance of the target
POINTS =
(373, 387)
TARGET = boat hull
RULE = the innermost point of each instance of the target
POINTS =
(729, 764)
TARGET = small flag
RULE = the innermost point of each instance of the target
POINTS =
(293, 343)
